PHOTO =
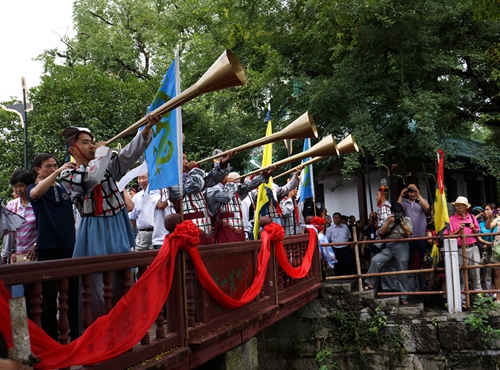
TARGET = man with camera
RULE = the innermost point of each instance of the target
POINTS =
(396, 226)
(415, 207)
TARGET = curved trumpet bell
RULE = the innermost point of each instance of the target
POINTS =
(302, 128)
(225, 72)
(347, 145)
(325, 148)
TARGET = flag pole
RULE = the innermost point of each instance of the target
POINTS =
(368, 179)
(267, 158)
(180, 141)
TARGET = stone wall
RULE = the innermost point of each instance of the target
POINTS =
(413, 337)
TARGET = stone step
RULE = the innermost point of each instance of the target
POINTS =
(340, 286)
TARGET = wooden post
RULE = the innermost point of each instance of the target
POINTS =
(63, 323)
(271, 282)
(21, 350)
(356, 255)
(35, 290)
(107, 280)
(316, 264)
(176, 302)
(465, 269)
(86, 301)
(190, 294)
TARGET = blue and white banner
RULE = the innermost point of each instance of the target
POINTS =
(163, 155)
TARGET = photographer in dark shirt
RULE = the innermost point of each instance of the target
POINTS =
(397, 226)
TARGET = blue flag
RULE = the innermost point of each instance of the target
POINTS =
(306, 178)
(162, 155)
(268, 116)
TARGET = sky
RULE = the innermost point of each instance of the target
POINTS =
(27, 28)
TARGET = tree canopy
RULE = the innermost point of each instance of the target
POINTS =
(404, 77)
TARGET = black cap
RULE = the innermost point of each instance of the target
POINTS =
(72, 131)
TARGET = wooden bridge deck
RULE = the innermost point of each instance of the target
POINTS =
(196, 328)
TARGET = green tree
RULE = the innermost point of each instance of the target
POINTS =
(404, 77)
(11, 150)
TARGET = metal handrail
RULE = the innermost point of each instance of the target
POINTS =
(359, 276)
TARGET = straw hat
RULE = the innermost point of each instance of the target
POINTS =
(462, 200)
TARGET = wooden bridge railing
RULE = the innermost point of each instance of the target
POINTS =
(193, 327)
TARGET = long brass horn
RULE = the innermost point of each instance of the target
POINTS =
(311, 161)
(347, 145)
(325, 148)
(302, 128)
(224, 73)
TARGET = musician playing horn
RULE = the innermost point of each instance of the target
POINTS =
(224, 204)
(105, 227)
(195, 181)
(273, 208)
(290, 219)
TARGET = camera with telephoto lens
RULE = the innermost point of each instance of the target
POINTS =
(411, 189)
(397, 218)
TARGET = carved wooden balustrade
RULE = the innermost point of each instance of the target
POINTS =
(192, 328)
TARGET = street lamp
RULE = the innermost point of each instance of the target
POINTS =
(21, 109)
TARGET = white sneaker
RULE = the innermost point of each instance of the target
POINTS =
(494, 296)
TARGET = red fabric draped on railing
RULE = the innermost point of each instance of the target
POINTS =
(302, 270)
(222, 298)
(124, 326)
(111, 334)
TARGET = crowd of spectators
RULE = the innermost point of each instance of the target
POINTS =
(410, 217)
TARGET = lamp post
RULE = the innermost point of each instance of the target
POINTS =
(21, 109)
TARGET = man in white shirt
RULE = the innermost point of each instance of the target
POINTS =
(339, 233)
(139, 217)
(162, 208)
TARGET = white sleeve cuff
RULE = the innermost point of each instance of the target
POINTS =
(102, 151)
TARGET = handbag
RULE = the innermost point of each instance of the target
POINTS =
(23, 257)
(379, 247)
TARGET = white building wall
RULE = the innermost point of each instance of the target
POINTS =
(344, 198)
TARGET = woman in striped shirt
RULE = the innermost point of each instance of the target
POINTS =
(25, 237)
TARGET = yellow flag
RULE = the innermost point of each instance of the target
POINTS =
(441, 217)
(265, 190)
